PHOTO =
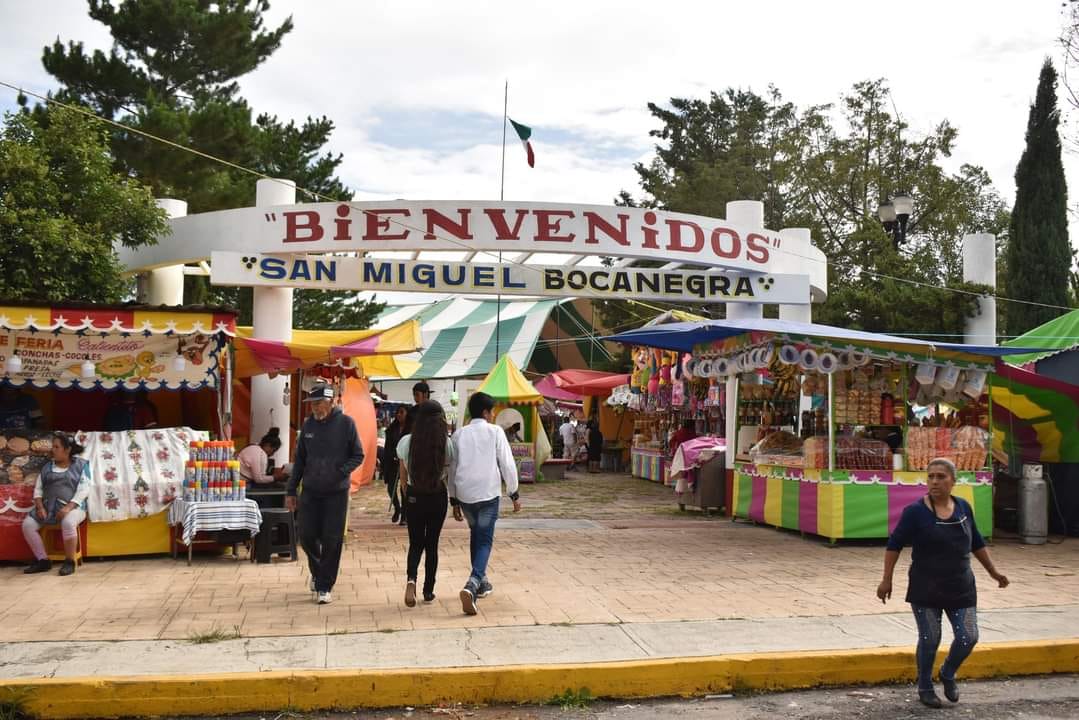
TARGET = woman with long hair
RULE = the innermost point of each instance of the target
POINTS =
(425, 455)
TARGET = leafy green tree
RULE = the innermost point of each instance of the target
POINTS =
(172, 73)
(827, 167)
(62, 208)
(1039, 254)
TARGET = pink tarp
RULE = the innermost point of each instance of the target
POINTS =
(548, 389)
(588, 382)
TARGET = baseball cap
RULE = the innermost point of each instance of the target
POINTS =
(319, 392)
(421, 387)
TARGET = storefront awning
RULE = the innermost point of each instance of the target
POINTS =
(309, 348)
(1056, 336)
(462, 337)
(589, 382)
(685, 336)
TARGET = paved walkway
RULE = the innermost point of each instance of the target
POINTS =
(589, 550)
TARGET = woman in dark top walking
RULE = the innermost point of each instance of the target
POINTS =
(595, 445)
(394, 432)
(941, 532)
(425, 459)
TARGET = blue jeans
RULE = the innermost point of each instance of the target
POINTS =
(481, 519)
(965, 629)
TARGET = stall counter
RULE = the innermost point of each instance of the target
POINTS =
(845, 504)
(650, 464)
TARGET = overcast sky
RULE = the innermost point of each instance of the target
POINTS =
(416, 88)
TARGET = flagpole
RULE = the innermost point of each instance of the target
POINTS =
(501, 197)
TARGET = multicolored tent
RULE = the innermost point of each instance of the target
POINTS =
(1056, 336)
(506, 384)
(1035, 418)
(309, 348)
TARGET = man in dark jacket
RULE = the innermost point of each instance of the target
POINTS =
(327, 452)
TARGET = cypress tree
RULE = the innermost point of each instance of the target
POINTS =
(1039, 254)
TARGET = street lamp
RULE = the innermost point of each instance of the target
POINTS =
(894, 215)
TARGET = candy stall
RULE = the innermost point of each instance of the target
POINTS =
(833, 429)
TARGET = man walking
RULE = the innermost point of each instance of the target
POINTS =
(327, 452)
(481, 462)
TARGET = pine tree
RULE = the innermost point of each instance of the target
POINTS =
(1039, 255)
(172, 72)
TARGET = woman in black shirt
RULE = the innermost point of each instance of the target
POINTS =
(941, 531)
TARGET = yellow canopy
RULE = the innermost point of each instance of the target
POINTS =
(309, 348)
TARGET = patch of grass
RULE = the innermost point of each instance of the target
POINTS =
(13, 704)
(388, 631)
(339, 631)
(213, 635)
(579, 699)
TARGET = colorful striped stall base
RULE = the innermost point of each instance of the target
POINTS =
(845, 504)
(649, 464)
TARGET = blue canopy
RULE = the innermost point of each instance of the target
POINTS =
(683, 336)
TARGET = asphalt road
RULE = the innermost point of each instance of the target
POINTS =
(1053, 697)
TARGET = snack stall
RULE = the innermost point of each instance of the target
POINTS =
(136, 384)
(825, 440)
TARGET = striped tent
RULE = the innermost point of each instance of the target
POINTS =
(459, 337)
(506, 384)
(1035, 418)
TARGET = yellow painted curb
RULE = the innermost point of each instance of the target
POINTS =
(339, 689)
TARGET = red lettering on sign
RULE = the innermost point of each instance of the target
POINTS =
(757, 248)
(378, 225)
(502, 228)
(342, 223)
(302, 220)
(650, 234)
(735, 248)
(457, 229)
(619, 234)
(546, 226)
(675, 243)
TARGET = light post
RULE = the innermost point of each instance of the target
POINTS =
(894, 215)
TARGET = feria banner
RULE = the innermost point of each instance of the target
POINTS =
(132, 360)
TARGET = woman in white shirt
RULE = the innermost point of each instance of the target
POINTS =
(425, 456)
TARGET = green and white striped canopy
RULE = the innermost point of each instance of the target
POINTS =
(459, 337)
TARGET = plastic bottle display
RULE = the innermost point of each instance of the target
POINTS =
(211, 475)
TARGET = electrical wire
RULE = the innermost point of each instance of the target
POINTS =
(455, 241)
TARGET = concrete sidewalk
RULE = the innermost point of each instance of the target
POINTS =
(508, 646)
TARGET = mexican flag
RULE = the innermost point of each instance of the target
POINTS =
(524, 132)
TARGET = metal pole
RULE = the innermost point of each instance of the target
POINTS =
(501, 197)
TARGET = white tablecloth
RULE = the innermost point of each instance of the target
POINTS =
(224, 515)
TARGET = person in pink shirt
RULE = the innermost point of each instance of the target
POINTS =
(255, 460)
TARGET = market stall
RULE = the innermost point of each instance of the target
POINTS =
(517, 403)
(819, 419)
(605, 398)
(136, 384)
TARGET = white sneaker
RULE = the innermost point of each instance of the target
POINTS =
(324, 598)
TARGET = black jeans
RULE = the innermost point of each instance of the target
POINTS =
(426, 514)
(322, 534)
(391, 490)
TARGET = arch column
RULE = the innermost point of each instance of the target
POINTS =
(980, 266)
(271, 319)
(165, 286)
(747, 213)
(797, 240)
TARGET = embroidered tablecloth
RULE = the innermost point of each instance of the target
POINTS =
(135, 473)
(223, 515)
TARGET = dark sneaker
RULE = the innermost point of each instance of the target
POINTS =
(396, 516)
(485, 589)
(929, 699)
(68, 568)
(428, 597)
(38, 566)
(410, 593)
(951, 689)
(468, 600)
